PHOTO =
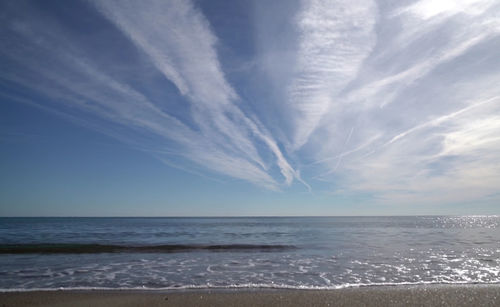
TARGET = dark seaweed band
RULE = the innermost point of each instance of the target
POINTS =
(100, 248)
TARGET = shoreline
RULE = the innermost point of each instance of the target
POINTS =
(409, 295)
(253, 287)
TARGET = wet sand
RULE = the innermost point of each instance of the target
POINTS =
(431, 295)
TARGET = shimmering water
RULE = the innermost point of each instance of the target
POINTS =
(277, 252)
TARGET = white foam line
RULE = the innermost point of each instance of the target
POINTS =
(254, 286)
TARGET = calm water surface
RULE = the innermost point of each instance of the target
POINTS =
(309, 253)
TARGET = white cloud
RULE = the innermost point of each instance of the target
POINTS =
(424, 107)
(334, 39)
(186, 55)
(461, 34)
(428, 9)
(396, 102)
(177, 39)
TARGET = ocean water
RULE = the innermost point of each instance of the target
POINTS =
(270, 252)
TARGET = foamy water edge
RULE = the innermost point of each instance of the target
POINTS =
(251, 287)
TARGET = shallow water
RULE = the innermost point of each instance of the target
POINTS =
(275, 252)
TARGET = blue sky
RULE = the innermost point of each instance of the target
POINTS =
(360, 107)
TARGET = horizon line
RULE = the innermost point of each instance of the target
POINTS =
(250, 216)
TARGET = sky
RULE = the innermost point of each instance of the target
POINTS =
(223, 108)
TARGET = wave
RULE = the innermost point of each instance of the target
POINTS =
(253, 286)
(68, 248)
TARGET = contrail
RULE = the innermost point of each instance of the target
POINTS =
(341, 156)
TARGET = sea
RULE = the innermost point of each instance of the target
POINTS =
(247, 252)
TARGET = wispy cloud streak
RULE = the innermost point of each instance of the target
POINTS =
(424, 108)
(186, 55)
(395, 100)
(177, 39)
(335, 38)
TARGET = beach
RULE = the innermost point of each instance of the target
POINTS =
(425, 295)
(249, 153)
(302, 261)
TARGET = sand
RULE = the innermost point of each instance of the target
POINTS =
(432, 295)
